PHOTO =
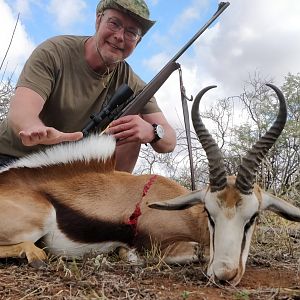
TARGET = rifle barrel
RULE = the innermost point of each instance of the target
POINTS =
(222, 6)
(151, 88)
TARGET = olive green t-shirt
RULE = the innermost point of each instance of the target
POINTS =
(59, 73)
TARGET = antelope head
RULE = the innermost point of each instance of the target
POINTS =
(233, 203)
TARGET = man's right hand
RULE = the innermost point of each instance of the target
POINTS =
(43, 135)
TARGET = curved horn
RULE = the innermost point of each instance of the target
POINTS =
(247, 169)
(217, 174)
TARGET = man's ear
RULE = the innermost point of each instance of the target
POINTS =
(98, 21)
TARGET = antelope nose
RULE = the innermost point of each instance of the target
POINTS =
(225, 273)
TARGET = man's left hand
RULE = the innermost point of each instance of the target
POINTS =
(131, 129)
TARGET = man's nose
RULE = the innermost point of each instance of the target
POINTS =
(120, 34)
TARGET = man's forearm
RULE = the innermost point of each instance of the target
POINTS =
(167, 143)
(25, 107)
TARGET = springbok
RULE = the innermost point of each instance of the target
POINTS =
(233, 203)
(70, 198)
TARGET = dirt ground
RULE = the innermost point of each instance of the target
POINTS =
(273, 272)
(118, 281)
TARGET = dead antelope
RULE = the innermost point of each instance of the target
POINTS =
(71, 198)
(233, 203)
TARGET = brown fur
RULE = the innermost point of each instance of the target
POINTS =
(230, 196)
(34, 254)
(99, 197)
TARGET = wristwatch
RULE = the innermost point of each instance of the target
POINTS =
(159, 133)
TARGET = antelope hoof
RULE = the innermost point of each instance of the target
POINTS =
(36, 257)
(130, 256)
(38, 264)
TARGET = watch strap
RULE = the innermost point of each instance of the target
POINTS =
(156, 136)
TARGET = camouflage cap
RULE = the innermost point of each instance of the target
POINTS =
(137, 9)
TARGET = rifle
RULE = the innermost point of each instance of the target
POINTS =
(124, 103)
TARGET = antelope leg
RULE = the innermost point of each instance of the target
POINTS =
(34, 255)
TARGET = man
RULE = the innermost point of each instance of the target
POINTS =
(68, 78)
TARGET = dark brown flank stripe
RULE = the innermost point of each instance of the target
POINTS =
(80, 228)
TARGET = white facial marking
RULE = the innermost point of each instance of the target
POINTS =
(230, 241)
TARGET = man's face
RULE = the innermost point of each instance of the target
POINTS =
(115, 35)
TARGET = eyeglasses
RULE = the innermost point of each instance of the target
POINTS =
(130, 34)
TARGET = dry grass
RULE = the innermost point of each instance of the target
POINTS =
(275, 241)
(275, 249)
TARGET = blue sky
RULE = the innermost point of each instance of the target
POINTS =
(43, 19)
(250, 37)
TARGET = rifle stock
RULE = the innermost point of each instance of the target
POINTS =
(133, 105)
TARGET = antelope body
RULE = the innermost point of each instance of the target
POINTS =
(71, 197)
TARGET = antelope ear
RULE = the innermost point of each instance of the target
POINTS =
(181, 202)
(280, 207)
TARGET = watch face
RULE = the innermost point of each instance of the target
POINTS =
(160, 131)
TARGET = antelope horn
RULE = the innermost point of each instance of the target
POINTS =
(248, 167)
(217, 174)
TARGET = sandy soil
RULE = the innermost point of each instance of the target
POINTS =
(272, 272)
(115, 280)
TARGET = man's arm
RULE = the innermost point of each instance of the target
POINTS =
(23, 117)
(168, 142)
(134, 128)
(132, 131)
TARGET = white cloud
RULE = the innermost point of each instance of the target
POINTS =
(23, 6)
(250, 37)
(21, 45)
(154, 2)
(187, 16)
(156, 62)
(67, 12)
